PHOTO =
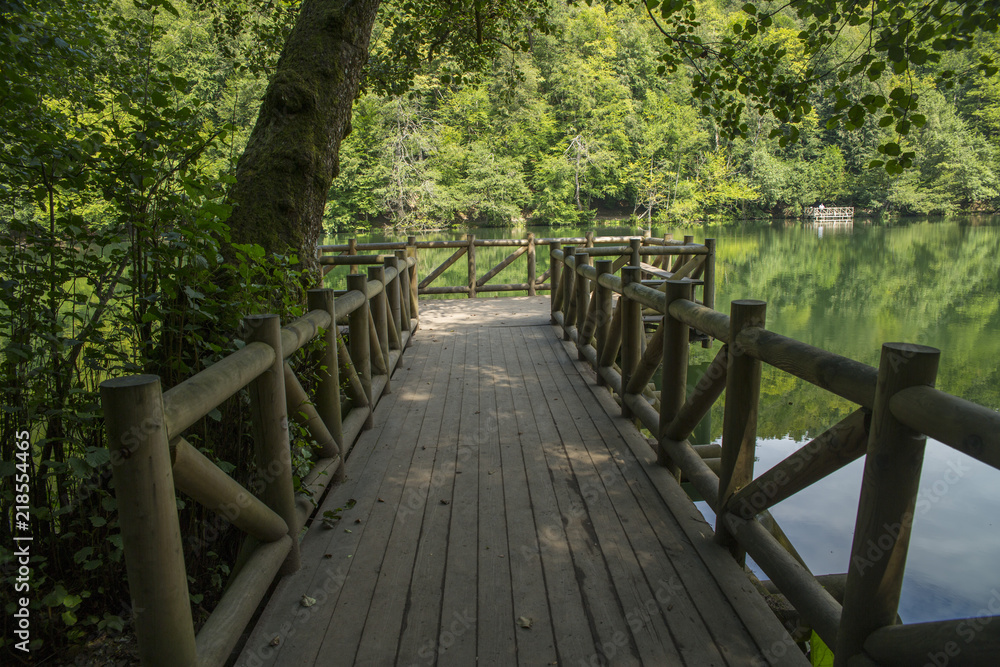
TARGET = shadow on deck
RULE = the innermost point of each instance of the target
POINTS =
(497, 514)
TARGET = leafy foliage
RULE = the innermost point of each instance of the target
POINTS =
(893, 43)
(582, 121)
(117, 148)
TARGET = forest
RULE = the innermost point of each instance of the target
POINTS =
(122, 132)
(586, 121)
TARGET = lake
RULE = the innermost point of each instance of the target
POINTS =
(848, 289)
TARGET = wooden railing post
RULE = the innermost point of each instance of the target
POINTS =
(604, 313)
(380, 316)
(888, 498)
(674, 365)
(590, 239)
(147, 513)
(635, 243)
(739, 427)
(405, 292)
(471, 253)
(413, 277)
(708, 290)
(272, 449)
(632, 333)
(569, 291)
(352, 249)
(357, 324)
(582, 302)
(327, 369)
(555, 272)
(532, 270)
(393, 296)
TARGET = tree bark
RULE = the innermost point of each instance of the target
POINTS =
(292, 156)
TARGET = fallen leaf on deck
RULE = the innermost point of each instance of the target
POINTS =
(307, 601)
(524, 621)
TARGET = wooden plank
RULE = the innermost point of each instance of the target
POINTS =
(421, 634)
(496, 641)
(550, 550)
(461, 568)
(389, 597)
(516, 428)
(346, 625)
(697, 612)
(322, 577)
(649, 640)
(772, 642)
(584, 531)
(603, 608)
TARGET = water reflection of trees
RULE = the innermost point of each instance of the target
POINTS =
(930, 283)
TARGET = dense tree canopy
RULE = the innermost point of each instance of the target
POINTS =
(854, 65)
(584, 120)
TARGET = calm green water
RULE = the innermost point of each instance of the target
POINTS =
(848, 289)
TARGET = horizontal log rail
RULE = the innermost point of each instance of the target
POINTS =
(152, 458)
(597, 246)
(898, 407)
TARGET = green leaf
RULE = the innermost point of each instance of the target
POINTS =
(159, 99)
(750, 9)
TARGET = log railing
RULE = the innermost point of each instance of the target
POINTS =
(667, 257)
(151, 457)
(898, 408)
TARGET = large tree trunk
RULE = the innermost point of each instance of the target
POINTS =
(283, 177)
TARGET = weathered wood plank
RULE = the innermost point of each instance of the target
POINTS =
(535, 645)
(420, 636)
(737, 594)
(646, 639)
(461, 567)
(682, 591)
(604, 609)
(570, 620)
(301, 630)
(346, 626)
(388, 604)
(495, 640)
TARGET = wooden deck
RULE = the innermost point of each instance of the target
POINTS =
(497, 515)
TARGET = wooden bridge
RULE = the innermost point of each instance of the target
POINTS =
(829, 214)
(479, 495)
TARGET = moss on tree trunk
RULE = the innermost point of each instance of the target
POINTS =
(284, 174)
